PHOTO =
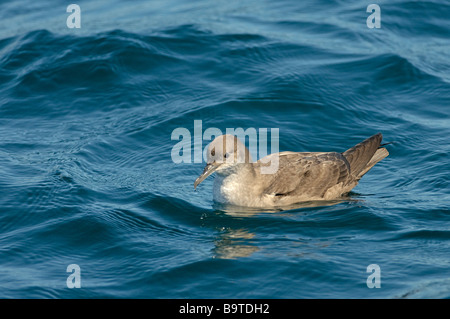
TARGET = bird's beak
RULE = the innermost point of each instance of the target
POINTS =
(209, 169)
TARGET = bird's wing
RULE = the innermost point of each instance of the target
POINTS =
(307, 174)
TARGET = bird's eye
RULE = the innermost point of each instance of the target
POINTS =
(213, 153)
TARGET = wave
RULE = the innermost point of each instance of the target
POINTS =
(152, 69)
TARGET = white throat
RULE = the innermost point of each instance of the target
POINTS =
(233, 185)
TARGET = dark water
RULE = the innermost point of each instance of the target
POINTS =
(87, 178)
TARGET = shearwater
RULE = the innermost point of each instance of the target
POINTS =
(300, 176)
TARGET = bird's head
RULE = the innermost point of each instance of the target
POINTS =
(222, 155)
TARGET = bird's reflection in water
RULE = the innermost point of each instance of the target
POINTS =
(238, 211)
(233, 243)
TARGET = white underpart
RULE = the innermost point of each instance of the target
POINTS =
(233, 188)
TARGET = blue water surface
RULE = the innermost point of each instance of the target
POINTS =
(87, 176)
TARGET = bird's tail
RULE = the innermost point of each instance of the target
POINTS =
(363, 156)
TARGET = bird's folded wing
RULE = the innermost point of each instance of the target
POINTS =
(307, 174)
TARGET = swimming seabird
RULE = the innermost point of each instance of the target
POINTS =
(299, 177)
